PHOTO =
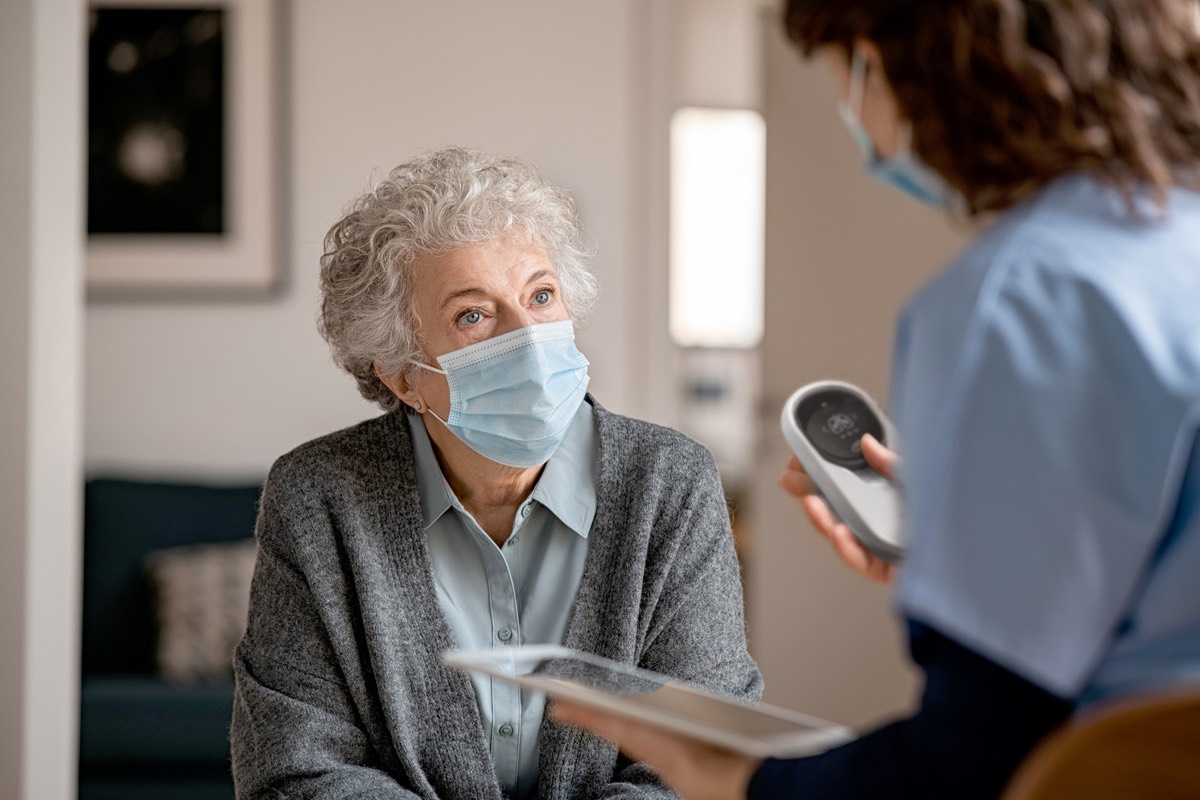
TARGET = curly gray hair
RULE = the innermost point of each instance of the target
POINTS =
(433, 204)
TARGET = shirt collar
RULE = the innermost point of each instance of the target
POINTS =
(567, 486)
(568, 483)
(436, 497)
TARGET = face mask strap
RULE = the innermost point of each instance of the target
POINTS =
(416, 363)
(858, 82)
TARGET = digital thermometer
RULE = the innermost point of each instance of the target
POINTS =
(824, 423)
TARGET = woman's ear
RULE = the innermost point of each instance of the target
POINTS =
(870, 53)
(880, 110)
(400, 387)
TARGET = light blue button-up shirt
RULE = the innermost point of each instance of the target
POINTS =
(1048, 394)
(520, 593)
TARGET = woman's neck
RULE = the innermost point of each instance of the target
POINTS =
(490, 492)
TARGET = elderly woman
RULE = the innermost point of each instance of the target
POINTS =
(495, 503)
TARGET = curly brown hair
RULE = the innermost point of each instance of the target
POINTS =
(1006, 95)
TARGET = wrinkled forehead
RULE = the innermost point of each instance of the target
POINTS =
(499, 268)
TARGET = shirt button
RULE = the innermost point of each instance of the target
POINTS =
(504, 634)
(506, 730)
(525, 510)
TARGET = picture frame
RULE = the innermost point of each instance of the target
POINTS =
(159, 224)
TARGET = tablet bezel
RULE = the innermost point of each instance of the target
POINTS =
(812, 735)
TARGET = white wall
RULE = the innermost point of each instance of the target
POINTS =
(41, 316)
(221, 389)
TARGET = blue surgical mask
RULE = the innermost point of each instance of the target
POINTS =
(903, 171)
(513, 398)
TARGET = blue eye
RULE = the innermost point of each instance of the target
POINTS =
(542, 297)
(470, 318)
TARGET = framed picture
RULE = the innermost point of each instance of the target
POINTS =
(182, 148)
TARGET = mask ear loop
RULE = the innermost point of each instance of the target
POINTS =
(423, 407)
(858, 82)
(431, 369)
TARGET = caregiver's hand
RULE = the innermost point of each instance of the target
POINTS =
(696, 771)
(795, 481)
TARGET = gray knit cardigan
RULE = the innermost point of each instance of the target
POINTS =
(340, 692)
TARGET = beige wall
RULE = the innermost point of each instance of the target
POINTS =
(842, 254)
(222, 389)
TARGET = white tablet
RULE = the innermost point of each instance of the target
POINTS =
(589, 680)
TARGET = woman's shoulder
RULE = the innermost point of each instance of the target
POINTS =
(364, 446)
(632, 441)
(1075, 249)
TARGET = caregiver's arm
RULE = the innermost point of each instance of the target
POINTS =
(976, 722)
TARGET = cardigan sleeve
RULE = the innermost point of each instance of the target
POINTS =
(697, 631)
(295, 731)
(635, 781)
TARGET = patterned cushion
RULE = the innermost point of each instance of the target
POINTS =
(201, 593)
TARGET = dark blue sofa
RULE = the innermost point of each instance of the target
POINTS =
(142, 738)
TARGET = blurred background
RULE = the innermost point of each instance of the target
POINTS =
(740, 248)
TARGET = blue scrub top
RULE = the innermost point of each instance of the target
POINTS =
(1047, 389)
